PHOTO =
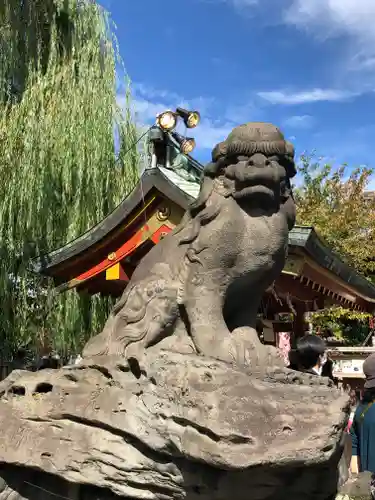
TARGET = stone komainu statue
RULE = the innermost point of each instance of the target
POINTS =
(207, 277)
(200, 408)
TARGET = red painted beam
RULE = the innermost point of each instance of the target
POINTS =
(160, 233)
(125, 250)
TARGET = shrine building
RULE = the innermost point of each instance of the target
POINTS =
(103, 259)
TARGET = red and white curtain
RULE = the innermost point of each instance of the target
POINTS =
(283, 343)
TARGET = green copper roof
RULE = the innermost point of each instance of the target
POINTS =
(190, 187)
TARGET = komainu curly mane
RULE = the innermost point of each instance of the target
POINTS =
(206, 278)
(201, 212)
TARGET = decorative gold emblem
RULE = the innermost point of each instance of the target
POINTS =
(163, 213)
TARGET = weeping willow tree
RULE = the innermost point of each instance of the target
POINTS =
(59, 172)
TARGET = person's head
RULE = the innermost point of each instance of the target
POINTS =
(21, 354)
(353, 397)
(310, 352)
(327, 368)
(369, 372)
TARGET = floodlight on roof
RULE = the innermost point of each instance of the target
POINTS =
(191, 118)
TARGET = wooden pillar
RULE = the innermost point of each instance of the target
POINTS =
(299, 326)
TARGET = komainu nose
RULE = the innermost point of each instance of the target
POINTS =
(258, 160)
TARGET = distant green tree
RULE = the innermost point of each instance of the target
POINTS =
(350, 327)
(334, 202)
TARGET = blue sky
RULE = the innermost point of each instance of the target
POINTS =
(306, 65)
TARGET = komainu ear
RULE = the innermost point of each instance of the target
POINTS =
(214, 169)
(289, 160)
(219, 151)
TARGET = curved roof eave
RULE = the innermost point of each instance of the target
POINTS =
(151, 178)
(306, 237)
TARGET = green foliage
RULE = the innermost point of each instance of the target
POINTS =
(341, 313)
(333, 202)
(347, 325)
(58, 168)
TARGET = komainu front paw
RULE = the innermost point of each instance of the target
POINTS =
(247, 351)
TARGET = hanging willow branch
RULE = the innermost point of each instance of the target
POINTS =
(59, 174)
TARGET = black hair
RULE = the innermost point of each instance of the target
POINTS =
(308, 350)
(353, 398)
(368, 395)
(21, 353)
(327, 370)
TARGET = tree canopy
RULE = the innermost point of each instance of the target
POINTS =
(343, 324)
(333, 200)
(59, 171)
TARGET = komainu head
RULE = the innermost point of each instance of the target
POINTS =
(253, 165)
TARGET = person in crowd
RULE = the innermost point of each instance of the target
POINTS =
(19, 361)
(309, 355)
(353, 406)
(51, 361)
(362, 430)
(327, 369)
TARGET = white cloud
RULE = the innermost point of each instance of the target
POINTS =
(301, 97)
(150, 92)
(209, 133)
(238, 4)
(353, 20)
(146, 111)
(149, 102)
(325, 18)
(242, 113)
(355, 17)
(299, 121)
(243, 3)
(331, 18)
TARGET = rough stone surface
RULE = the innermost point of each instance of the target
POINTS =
(191, 428)
(357, 488)
(177, 398)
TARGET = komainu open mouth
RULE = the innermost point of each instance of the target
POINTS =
(254, 191)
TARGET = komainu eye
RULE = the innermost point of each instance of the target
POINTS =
(241, 158)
